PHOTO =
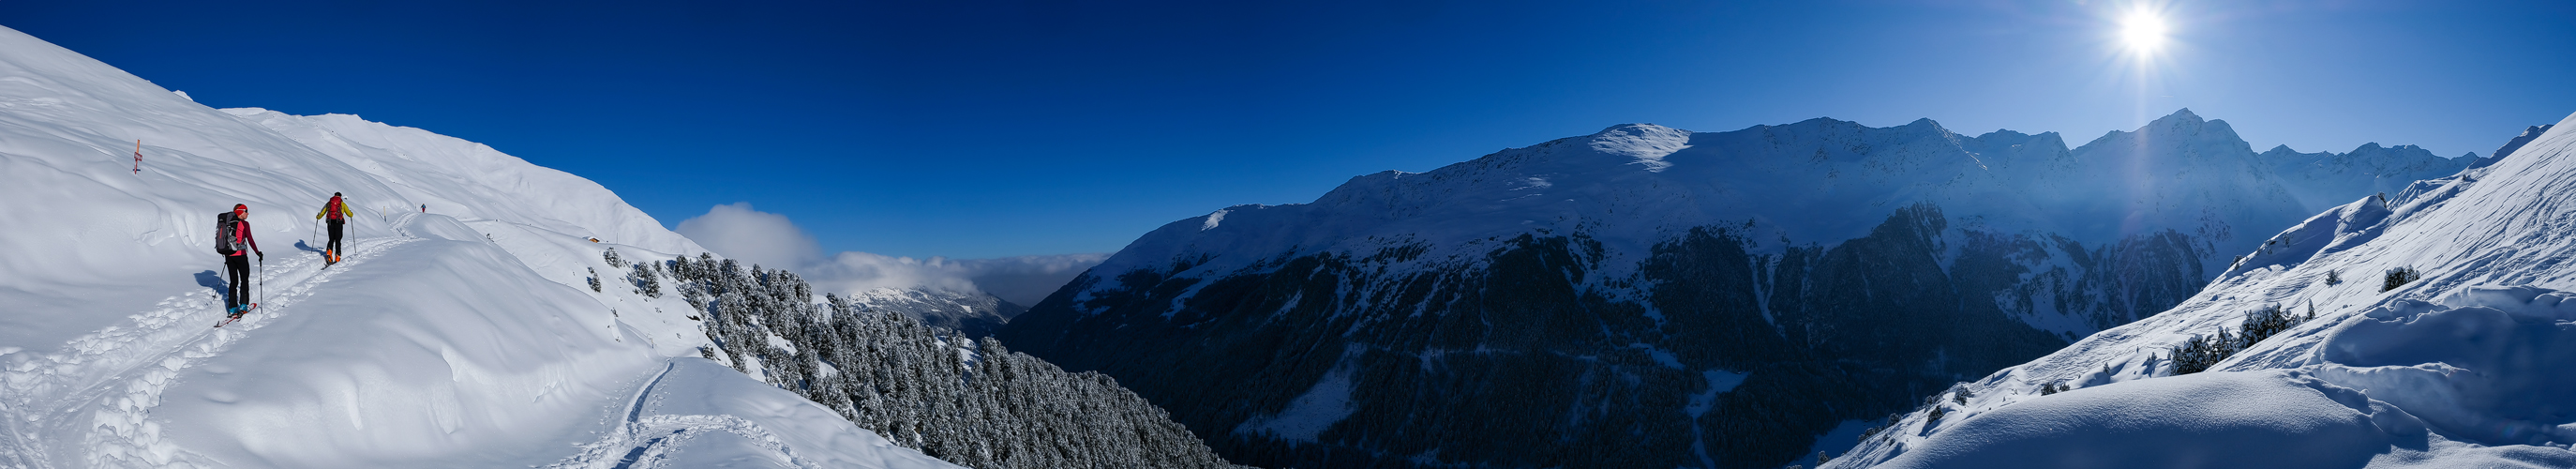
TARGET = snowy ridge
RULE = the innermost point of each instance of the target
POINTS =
(428, 168)
(2510, 146)
(2322, 179)
(466, 336)
(2464, 367)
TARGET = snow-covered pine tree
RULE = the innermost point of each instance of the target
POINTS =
(915, 385)
(646, 282)
(2399, 277)
(2201, 353)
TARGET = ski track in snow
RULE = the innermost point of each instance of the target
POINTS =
(110, 380)
(646, 442)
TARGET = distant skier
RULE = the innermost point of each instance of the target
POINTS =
(334, 213)
(232, 238)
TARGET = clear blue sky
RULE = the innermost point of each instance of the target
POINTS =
(995, 128)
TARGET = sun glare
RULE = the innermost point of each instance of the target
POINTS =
(2143, 31)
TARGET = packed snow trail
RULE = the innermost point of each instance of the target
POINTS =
(111, 378)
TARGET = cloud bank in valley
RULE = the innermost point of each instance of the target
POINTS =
(771, 240)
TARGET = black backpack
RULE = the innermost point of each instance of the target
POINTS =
(224, 225)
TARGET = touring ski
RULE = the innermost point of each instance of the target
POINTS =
(246, 309)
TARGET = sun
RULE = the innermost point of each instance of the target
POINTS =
(2143, 31)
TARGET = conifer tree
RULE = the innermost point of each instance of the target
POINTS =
(910, 382)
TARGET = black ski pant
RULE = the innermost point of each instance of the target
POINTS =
(335, 235)
(237, 269)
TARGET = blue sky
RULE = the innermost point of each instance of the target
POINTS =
(1000, 128)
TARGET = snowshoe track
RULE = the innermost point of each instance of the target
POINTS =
(109, 380)
(649, 441)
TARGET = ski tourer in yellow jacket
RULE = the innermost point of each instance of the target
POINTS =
(338, 213)
(334, 203)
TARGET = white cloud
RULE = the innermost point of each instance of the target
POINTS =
(771, 240)
(736, 231)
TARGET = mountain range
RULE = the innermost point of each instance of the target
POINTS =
(1820, 292)
(1652, 297)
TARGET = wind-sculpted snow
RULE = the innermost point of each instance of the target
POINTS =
(2474, 353)
(2272, 419)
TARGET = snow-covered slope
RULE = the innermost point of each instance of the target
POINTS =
(2466, 367)
(468, 336)
(471, 181)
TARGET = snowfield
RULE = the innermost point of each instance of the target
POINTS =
(465, 336)
(2466, 367)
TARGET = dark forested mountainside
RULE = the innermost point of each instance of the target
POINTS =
(967, 401)
(1519, 364)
